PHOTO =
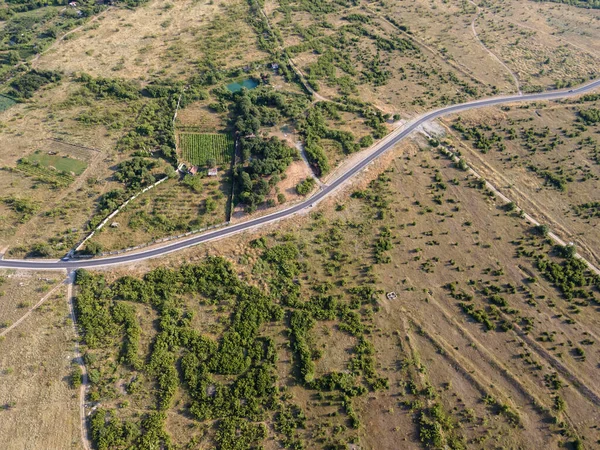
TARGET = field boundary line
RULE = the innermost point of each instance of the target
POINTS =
(33, 308)
(72, 145)
(518, 210)
(114, 213)
(434, 52)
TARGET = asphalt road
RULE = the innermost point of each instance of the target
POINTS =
(326, 190)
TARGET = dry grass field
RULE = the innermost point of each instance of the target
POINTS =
(370, 58)
(50, 123)
(170, 209)
(38, 407)
(541, 43)
(20, 291)
(400, 60)
(159, 39)
(545, 159)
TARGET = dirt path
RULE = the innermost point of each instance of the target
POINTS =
(300, 147)
(492, 54)
(513, 380)
(64, 36)
(33, 308)
(85, 440)
(280, 48)
(422, 44)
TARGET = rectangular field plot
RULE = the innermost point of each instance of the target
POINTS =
(198, 149)
(6, 102)
(60, 163)
(54, 169)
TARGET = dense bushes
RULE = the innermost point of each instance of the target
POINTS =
(269, 158)
(107, 87)
(317, 157)
(265, 159)
(305, 186)
(136, 173)
(301, 322)
(230, 379)
(590, 116)
(241, 353)
(93, 306)
(24, 86)
(154, 130)
(571, 277)
(313, 129)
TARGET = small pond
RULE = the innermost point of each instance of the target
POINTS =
(248, 83)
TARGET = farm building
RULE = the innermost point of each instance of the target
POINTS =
(212, 172)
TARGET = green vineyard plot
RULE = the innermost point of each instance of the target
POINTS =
(198, 149)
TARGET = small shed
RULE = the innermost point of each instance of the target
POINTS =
(213, 172)
(193, 170)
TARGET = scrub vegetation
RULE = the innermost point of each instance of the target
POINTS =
(412, 308)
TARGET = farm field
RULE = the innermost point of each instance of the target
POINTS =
(478, 342)
(198, 118)
(56, 171)
(545, 158)
(199, 149)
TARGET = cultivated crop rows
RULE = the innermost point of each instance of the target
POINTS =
(198, 148)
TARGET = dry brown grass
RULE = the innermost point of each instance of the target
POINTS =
(20, 290)
(35, 362)
(200, 118)
(509, 170)
(541, 42)
(173, 206)
(160, 38)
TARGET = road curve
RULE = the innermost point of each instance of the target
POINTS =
(380, 148)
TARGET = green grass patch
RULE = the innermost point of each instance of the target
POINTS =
(198, 149)
(60, 163)
(6, 102)
(58, 171)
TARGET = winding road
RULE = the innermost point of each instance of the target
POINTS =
(377, 150)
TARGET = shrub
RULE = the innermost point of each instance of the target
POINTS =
(306, 186)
